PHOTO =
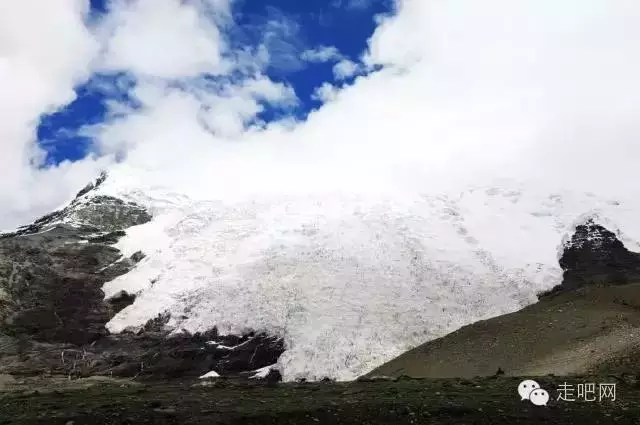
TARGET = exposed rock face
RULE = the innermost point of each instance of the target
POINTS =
(89, 216)
(89, 187)
(53, 312)
(52, 271)
(594, 255)
(154, 355)
(149, 354)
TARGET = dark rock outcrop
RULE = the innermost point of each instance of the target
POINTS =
(595, 256)
(109, 214)
(52, 271)
(94, 185)
(53, 312)
(151, 352)
(144, 355)
(97, 217)
(155, 355)
(120, 301)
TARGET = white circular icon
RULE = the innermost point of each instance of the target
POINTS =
(539, 397)
(525, 388)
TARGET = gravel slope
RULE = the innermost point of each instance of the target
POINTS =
(574, 332)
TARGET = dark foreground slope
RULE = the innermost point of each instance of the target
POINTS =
(588, 324)
(589, 330)
(451, 401)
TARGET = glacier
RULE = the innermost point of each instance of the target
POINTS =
(348, 279)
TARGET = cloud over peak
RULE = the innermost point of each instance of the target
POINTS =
(462, 91)
(166, 39)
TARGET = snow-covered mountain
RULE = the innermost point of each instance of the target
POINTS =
(349, 281)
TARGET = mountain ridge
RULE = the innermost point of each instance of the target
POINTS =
(52, 303)
(343, 283)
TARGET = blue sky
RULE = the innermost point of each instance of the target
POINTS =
(345, 24)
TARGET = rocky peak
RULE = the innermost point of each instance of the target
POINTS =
(93, 185)
(89, 214)
(53, 312)
(595, 256)
(52, 271)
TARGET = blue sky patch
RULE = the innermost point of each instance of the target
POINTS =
(287, 27)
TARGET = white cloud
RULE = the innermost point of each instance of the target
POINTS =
(322, 54)
(325, 93)
(345, 69)
(282, 42)
(198, 117)
(44, 50)
(44, 55)
(535, 91)
(167, 39)
(521, 89)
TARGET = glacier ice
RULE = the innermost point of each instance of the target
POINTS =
(349, 281)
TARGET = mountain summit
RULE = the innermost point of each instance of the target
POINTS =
(330, 285)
